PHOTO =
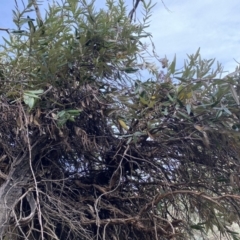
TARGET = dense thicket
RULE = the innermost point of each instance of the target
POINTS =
(91, 149)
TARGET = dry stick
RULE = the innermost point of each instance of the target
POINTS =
(29, 145)
(155, 229)
(98, 199)
(104, 231)
(134, 221)
(165, 6)
(4, 29)
(159, 197)
(134, 9)
(37, 10)
(170, 224)
(33, 174)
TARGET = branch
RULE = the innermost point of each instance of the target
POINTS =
(37, 10)
(134, 9)
(134, 221)
(4, 29)
(159, 197)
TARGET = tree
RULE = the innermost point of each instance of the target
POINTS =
(91, 150)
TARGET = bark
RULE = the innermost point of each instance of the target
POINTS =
(12, 189)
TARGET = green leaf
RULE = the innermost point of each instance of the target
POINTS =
(74, 112)
(188, 107)
(39, 91)
(222, 179)
(234, 94)
(170, 98)
(227, 111)
(196, 54)
(30, 101)
(65, 115)
(184, 115)
(129, 140)
(30, 24)
(219, 114)
(143, 100)
(130, 70)
(172, 66)
(9, 43)
(197, 227)
(31, 95)
(61, 114)
(18, 31)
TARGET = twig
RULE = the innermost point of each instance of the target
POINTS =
(104, 231)
(37, 10)
(159, 197)
(33, 174)
(99, 198)
(5, 29)
(3, 175)
(134, 9)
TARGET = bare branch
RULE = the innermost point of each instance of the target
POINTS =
(135, 5)
(37, 10)
(4, 29)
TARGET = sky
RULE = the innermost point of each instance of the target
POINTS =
(180, 28)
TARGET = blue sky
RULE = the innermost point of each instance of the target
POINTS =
(212, 25)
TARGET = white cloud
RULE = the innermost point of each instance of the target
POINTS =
(212, 25)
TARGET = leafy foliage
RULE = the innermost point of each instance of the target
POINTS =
(113, 156)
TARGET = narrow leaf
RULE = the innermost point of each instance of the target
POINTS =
(234, 94)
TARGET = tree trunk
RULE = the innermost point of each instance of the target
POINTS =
(11, 190)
